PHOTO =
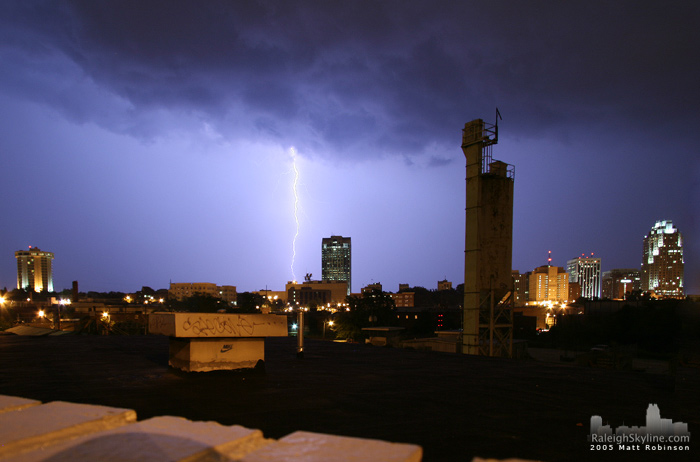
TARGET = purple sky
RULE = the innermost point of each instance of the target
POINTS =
(149, 141)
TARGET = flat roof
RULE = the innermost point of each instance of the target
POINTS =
(455, 406)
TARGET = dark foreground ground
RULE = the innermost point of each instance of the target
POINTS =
(454, 406)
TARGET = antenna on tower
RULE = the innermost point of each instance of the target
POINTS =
(549, 259)
(498, 116)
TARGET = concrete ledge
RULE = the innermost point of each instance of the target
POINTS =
(60, 431)
(46, 424)
(318, 447)
(159, 439)
(12, 403)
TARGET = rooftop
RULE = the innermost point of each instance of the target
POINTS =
(456, 407)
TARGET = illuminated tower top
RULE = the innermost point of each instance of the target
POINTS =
(34, 270)
(662, 261)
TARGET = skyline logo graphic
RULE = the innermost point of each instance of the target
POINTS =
(657, 435)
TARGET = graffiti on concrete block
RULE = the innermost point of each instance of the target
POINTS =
(233, 326)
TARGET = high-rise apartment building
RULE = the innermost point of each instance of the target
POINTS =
(662, 261)
(548, 284)
(34, 270)
(586, 272)
(336, 259)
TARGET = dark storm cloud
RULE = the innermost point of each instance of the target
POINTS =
(364, 78)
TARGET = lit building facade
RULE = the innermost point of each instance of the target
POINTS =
(373, 287)
(404, 299)
(181, 290)
(319, 292)
(34, 269)
(617, 283)
(548, 284)
(444, 285)
(586, 272)
(662, 261)
(336, 260)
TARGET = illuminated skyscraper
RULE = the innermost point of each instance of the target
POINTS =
(336, 259)
(586, 272)
(662, 261)
(34, 269)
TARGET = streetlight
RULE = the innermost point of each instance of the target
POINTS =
(330, 324)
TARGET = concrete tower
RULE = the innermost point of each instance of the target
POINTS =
(488, 281)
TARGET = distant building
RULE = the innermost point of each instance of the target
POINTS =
(181, 290)
(273, 295)
(336, 260)
(521, 289)
(404, 299)
(369, 288)
(34, 269)
(444, 285)
(319, 292)
(586, 272)
(617, 283)
(574, 290)
(548, 284)
(662, 261)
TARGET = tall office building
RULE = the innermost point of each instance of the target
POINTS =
(662, 261)
(34, 270)
(336, 259)
(585, 271)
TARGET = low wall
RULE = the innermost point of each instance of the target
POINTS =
(32, 431)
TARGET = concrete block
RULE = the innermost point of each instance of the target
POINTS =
(46, 424)
(13, 403)
(157, 439)
(209, 354)
(317, 447)
(208, 325)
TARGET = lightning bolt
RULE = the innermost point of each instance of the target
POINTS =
(293, 153)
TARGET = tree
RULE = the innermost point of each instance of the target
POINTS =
(198, 303)
(247, 302)
(371, 309)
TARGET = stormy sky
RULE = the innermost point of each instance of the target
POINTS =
(145, 142)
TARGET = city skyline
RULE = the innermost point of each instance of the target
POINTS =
(655, 426)
(145, 144)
